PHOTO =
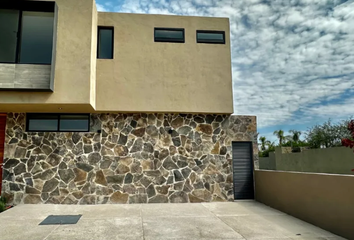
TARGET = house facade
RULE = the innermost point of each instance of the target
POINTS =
(100, 107)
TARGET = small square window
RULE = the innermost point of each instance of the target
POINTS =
(214, 37)
(105, 43)
(175, 35)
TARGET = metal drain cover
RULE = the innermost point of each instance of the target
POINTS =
(61, 219)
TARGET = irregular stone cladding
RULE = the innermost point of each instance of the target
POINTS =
(126, 158)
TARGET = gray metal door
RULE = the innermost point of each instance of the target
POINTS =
(243, 170)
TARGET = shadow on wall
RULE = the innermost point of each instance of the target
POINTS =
(324, 200)
(339, 160)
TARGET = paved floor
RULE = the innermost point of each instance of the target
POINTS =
(238, 220)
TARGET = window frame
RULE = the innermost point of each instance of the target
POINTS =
(57, 115)
(211, 31)
(98, 41)
(36, 6)
(27, 6)
(170, 29)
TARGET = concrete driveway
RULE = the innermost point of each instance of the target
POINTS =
(232, 220)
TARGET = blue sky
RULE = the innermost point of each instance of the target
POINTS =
(293, 60)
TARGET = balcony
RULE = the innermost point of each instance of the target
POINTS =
(26, 45)
(25, 77)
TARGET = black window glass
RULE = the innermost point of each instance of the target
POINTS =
(74, 123)
(169, 35)
(42, 122)
(37, 37)
(211, 37)
(8, 35)
(105, 43)
(56, 122)
(26, 31)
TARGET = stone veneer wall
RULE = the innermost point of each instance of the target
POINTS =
(136, 158)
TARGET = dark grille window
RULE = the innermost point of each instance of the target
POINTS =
(169, 35)
(105, 43)
(38, 122)
(216, 37)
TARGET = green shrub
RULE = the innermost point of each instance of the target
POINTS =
(3, 200)
(2, 207)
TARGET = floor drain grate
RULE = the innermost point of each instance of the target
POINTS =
(61, 219)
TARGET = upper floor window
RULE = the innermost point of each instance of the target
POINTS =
(105, 43)
(169, 35)
(26, 32)
(216, 37)
(53, 122)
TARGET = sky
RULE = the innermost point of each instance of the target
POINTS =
(292, 60)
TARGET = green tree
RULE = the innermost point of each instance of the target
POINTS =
(263, 143)
(328, 134)
(295, 137)
(270, 147)
(280, 135)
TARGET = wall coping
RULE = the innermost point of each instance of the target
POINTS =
(306, 173)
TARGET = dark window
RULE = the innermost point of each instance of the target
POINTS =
(37, 37)
(8, 32)
(105, 43)
(26, 30)
(73, 123)
(216, 37)
(42, 122)
(169, 35)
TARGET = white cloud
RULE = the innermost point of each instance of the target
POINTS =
(343, 108)
(287, 56)
(101, 8)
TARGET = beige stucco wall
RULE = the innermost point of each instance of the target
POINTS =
(144, 76)
(338, 160)
(325, 200)
(147, 76)
(267, 163)
(73, 75)
(93, 55)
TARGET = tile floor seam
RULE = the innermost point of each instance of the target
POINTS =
(232, 228)
(271, 238)
(208, 209)
(101, 218)
(142, 221)
(51, 232)
(223, 221)
(180, 217)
